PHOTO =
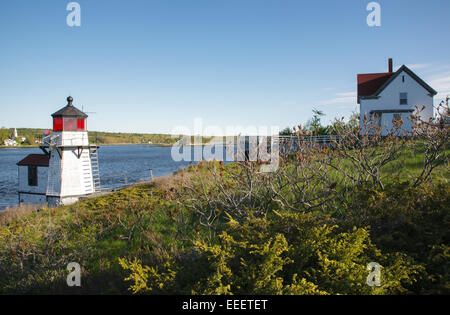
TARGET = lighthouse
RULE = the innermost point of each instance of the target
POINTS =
(68, 170)
(70, 173)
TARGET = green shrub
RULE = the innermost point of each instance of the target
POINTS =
(286, 254)
(411, 220)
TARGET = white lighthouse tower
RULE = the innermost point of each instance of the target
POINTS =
(73, 165)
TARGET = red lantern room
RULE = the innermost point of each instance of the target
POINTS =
(69, 118)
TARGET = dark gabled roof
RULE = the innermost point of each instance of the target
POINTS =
(368, 84)
(410, 73)
(35, 160)
(69, 111)
(372, 84)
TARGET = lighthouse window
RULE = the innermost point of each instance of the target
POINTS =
(57, 124)
(80, 124)
(32, 175)
(70, 124)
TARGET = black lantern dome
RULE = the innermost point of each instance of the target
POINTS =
(69, 110)
(69, 118)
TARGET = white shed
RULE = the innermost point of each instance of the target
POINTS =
(33, 177)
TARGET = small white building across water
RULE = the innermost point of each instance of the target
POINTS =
(68, 170)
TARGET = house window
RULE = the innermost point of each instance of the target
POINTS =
(403, 79)
(397, 117)
(403, 98)
(32, 175)
(377, 119)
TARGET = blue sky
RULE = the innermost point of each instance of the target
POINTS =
(152, 65)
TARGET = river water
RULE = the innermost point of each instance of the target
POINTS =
(134, 161)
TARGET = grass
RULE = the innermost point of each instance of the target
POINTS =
(412, 163)
(140, 221)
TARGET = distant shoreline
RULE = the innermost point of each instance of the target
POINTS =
(119, 144)
(101, 145)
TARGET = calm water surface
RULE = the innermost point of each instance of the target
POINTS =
(134, 161)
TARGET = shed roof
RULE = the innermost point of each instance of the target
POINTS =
(69, 111)
(35, 160)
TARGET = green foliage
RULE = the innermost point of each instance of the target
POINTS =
(242, 265)
(109, 138)
(106, 138)
(287, 132)
(314, 125)
(338, 125)
(414, 221)
(31, 135)
(4, 134)
(215, 229)
(36, 248)
(288, 254)
(147, 278)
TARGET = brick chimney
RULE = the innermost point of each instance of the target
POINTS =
(391, 65)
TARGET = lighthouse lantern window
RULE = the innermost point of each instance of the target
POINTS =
(69, 118)
(57, 124)
(70, 124)
(81, 124)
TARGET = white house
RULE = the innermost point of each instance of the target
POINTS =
(68, 169)
(10, 143)
(392, 95)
